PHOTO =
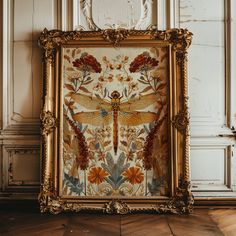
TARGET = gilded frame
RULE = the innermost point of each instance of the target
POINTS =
(180, 199)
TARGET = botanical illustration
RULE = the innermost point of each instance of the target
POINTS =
(115, 112)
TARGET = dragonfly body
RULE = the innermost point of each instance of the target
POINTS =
(115, 103)
(115, 111)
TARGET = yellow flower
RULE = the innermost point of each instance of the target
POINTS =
(134, 175)
(97, 175)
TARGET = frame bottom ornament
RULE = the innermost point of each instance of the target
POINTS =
(181, 203)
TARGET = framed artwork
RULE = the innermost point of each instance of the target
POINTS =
(115, 123)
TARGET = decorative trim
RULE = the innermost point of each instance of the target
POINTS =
(181, 121)
(50, 40)
(86, 7)
(21, 150)
(146, 16)
(181, 203)
(115, 36)
(116, 207)
(48, 122)
(143, 23)
(180, 38)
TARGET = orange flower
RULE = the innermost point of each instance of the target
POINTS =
(134, 175)
(97, 175)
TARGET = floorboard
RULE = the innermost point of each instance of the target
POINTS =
(203, 222)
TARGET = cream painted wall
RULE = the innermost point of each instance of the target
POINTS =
(211, 76)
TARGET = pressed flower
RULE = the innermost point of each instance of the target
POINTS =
(143, 62)
(120, 77)
(97, 87)
(101, 78)
(110, 77)
(125, 59)
(97, 175)
(133, 86)
(134, 175)
(87, 63)
(129, 78)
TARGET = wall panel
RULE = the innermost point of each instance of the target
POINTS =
(212, 144)
(210, 166)
(22, 22)
(206, 63)
(23, 166)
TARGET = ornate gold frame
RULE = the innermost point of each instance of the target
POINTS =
(178, 41)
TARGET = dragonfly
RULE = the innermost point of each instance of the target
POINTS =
(115, 110)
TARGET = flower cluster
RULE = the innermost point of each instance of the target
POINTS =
(82, 156)
(87, 63)
(98, 142)
(143, 62)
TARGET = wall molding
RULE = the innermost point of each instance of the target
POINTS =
(148, 13)
(10, 152)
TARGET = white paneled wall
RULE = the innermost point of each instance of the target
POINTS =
(22, 21)
(209, 80)
(206, 63)
(233, 80)
(212, 100)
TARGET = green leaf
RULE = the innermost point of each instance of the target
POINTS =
(69, 94)
(147, 89)
(161, 86)
(142, 78)
(124, 143)
(84, 89)
(106, 143)
(69, 86)
(87, 82)
(67, 58)
(73, 53)
(125, 92)
(143, 82)
(70, 69)
(97, 95)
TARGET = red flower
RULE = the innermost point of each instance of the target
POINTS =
(143, 62)
(87, 63)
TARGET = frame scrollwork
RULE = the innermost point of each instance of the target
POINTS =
(48, 122)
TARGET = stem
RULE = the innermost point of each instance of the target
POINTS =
(125, 69)
(147, 79)
(137, 190)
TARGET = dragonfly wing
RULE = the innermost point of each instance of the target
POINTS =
(136, 118)
(95, 118)
(90, 102)
(139, 103)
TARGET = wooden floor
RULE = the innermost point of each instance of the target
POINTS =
(28, 221)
